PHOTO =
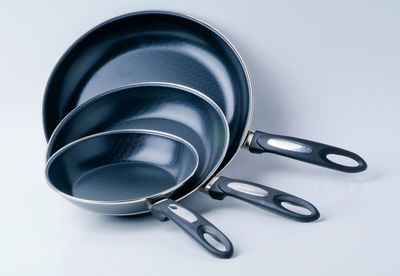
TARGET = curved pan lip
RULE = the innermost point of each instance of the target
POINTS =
(182, 15)
(122, 202)
(163, 84)
(146, 84)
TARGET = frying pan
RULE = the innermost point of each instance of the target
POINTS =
(183, 112)
(170, 47)
(123, 172)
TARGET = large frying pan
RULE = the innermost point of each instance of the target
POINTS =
(183, 112)
(120, 172)
(169, 47)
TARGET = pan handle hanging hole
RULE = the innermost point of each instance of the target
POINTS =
(342, 160)
(214, 242)
(214, 238)
(295, 208)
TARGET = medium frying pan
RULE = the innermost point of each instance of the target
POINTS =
(183, 112)
(128, 172)
(169, 47)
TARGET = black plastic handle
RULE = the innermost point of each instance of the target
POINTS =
(195, 225)
(304, 150)
(263, 197)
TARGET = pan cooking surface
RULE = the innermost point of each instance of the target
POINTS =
(122, 165)
(176, 61)
(173, 109)
(156, 47)
(123, 181)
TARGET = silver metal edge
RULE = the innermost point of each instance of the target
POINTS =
(248, 140)
(144, 84)
(163, 84)
(207, 187)
(122, 202)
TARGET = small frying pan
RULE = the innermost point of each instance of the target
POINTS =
(126, 172)
(170, 47)
(183, 112)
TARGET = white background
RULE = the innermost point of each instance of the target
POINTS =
(322, 70)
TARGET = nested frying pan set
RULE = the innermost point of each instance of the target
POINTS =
(148, 107)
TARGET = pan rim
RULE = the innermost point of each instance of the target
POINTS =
(122, 202)
(211, 174)
(146, 84)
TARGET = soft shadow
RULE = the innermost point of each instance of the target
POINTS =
(120, 223)
(202, 203)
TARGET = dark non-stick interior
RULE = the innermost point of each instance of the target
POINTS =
(163, 107)
(121, 165)
(151, 46)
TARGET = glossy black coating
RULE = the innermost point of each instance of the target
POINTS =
(196, 229)
(151, 46)
(317, 155)
(117, 172)
(162, 107)
(272, 199)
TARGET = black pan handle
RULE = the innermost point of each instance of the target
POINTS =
(263, 197)
(195, 225)
(304, 150)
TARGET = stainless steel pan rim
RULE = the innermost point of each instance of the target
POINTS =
(121, 202)
(164, 84)
(153, 83)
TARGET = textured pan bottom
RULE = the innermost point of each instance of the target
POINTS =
(180, 64)
(123, 181)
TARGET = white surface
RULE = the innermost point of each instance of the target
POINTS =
(327, 71)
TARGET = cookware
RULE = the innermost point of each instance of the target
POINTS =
(183, 112)
(129, 172)
(170, 47)
(170, 108)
